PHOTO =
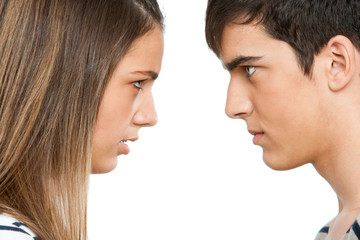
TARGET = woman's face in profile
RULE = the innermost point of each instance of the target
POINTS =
(127, 104)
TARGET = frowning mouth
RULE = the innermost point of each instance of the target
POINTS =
(124, 148)
(257, 136)
(130, 139)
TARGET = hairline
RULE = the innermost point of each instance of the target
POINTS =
(256, 20)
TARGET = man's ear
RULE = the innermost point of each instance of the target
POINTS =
(341, 64)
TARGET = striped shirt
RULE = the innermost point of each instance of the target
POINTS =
(352, 234)
(11, 229)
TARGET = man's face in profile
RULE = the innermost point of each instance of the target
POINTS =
(270, 92)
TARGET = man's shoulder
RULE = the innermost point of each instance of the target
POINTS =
(354, 231)
(352, 234)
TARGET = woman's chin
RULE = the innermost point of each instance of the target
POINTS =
(104, 166)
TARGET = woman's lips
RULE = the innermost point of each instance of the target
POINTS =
(124, 148)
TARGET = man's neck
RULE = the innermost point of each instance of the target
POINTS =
(341, 169)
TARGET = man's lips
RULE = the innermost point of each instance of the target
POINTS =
(257, 136)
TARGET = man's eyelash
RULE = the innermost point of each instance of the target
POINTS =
(250, 70)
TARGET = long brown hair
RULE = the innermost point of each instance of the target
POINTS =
(56, 57)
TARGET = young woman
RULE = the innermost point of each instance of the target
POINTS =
(75, 85)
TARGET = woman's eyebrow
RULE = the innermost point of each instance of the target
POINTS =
(240, 60)
(151, 74)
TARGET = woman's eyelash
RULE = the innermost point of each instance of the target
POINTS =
(137, 84)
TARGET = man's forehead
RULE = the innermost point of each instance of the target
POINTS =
(234, 38)
(247, 40)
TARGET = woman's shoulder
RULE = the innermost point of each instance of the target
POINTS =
(12, 229)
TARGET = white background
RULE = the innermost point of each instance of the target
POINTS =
(196, 174)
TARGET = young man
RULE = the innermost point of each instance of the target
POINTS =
(295, 80)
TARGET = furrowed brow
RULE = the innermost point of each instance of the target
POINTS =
(151, 74)
(240, 61)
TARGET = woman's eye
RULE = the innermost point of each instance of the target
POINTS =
(250, 70)
(137, 84)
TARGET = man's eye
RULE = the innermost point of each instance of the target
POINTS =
(137, 84)
(250, 70)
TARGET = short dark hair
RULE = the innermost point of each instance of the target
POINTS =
(306, 25)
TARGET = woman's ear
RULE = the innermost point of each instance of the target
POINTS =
(342, 60)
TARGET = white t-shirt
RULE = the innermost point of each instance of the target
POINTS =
(12, 229)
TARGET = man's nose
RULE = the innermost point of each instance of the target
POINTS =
(238, 103)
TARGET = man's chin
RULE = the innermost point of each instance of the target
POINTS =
(278, 163)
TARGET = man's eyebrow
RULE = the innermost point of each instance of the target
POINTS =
(151, 74)
(239, 61)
